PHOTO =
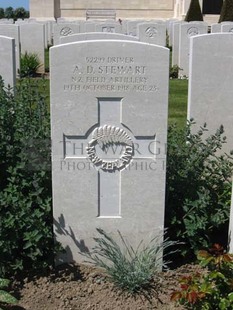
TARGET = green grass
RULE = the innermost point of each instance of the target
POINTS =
(177, 112)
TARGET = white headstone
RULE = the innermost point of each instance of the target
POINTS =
(12, 31)
(175, 43)
(7, 61)
(210, 84)
(169, 24)
(109, 102)
(187, 30)
(6, 21)
(227, 27)
(215, 28)
(96, 36)
(152, 33)
(132, 27)
(89, 26)
(63, 30)
(32, 38)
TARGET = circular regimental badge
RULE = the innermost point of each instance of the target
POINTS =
(151, 32)
(105, 136)
(66, 31)
(192, 31)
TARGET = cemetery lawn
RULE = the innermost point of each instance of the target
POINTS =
(178, 97)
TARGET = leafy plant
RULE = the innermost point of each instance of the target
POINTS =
(26, 239)
(210, 291)
(5, 297)
(198, 191)
(130, 269)
(9, 12)
(21, 13)
(174, 72)
(29, 64)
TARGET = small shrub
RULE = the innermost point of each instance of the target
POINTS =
(212, 290)
(26, 238)
(198, 190)
(29, 64)
(5, 297)
(174, 72)
(129, 269)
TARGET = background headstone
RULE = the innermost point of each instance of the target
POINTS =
(175, 43)
(110, 27)
(132, 27)
(117, 90)
(187, 30)
(227, 27)
(63, 30)
(32, 40)
(96, 36)
(215, 28)
(12, 31)
(7, 61)
(89, 26)
(152, 33)
(210, 84)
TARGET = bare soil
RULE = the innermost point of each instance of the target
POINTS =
(73, 287)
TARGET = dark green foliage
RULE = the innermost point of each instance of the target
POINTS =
(29, 64)
(174, 72)
(2, 13)
(21, 13)
(198, 190)
(130, 269)
(9, 12)
(227, 11)
(5, 297)
(26, 238)
(194, 12)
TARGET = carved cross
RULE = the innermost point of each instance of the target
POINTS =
(111, 148)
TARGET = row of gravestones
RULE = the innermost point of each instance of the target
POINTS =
(180, 39)
(109, 104)
(32, 36)
(109, 126)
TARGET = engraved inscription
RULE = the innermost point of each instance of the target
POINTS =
(108, 29)
(231, 30)
(111, 74)
(66, 31)
(193, 31)
(151, 32)
(110, 135)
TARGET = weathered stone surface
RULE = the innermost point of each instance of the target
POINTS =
(96, 36)
(109, 102)
(32, 39)
(153, 33)
(210, 83)
(7, 61)
(12, 31)
(187, 30)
